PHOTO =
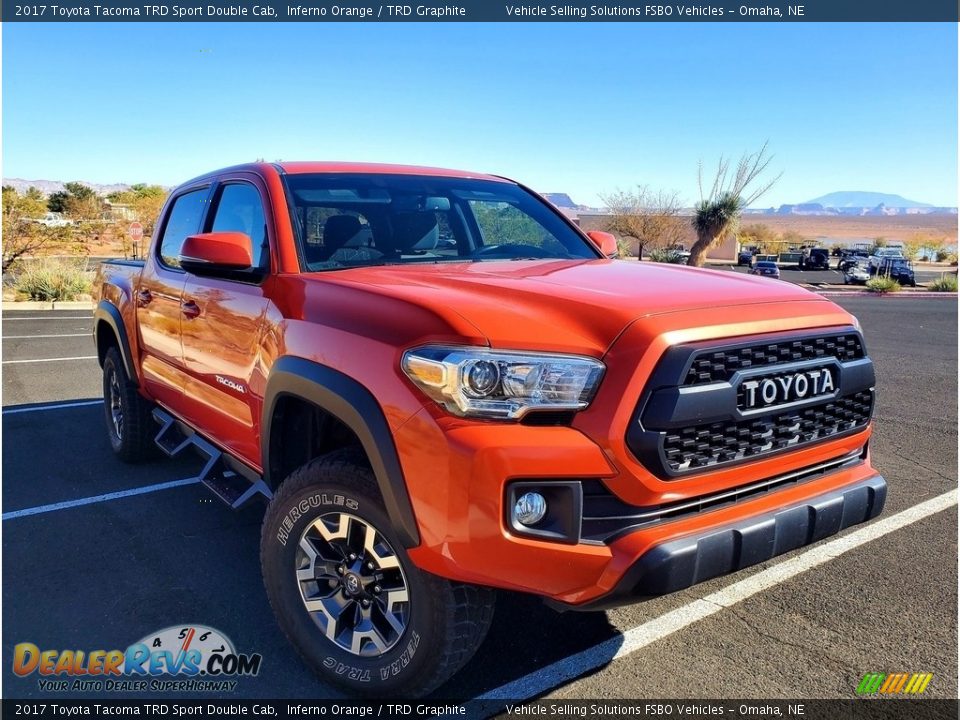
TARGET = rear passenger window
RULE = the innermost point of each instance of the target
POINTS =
(184, 221)
(240, 209)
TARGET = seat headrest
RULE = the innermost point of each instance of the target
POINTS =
(416, 232)
(337, 230)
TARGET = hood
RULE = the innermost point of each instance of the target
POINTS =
(566, 305)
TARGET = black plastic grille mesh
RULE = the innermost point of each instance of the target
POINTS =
(719, 365)
(701, 446)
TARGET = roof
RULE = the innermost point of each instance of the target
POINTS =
(300, 168)
(334, 167)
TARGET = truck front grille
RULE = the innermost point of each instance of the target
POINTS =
(718, 365)
(701, 410)
(701, 446)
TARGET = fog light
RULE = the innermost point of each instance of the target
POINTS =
(530, 508)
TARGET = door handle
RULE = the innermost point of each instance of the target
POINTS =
(143, 298)
(190, 309)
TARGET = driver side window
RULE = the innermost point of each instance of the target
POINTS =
(240, 209)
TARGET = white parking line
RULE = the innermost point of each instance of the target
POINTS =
(45, 319)
(34, 337)
(66, 505)
(57, 406)
(60, 359)
(637, 638)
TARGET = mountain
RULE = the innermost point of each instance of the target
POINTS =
(861, 199)
(561, 200)
(48, 187)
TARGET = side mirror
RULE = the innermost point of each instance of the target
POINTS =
(213, 252)
(605, 241)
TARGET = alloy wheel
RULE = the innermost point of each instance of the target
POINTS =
(352, 585)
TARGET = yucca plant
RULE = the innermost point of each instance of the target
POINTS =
(718, 212)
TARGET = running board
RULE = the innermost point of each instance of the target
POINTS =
(231, 482)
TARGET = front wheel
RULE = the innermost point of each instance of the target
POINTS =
(347, 595)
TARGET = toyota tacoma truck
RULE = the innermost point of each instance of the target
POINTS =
(443, 388)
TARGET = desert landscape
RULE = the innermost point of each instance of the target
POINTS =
(893, 227)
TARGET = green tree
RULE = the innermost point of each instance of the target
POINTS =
(648, 217)
(77, 201)
(719, 210)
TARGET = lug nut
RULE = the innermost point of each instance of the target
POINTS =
(365, 603)
(353, 556)
(376, 588)
(369, 566)
(341, 569)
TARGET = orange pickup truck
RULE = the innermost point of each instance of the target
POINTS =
(442, 388)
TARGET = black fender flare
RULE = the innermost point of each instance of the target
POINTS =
(353, 405)
(110, 314)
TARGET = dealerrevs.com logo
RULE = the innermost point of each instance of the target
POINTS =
(178, 658)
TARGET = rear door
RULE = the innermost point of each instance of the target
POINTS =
(223, 323)
(158, 297)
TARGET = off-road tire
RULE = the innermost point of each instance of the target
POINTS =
(446, 621)
(130, 436)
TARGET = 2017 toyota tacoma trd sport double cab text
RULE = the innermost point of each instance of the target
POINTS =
(444, 388)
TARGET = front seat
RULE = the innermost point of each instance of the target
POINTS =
(416, 232)
(337, 231)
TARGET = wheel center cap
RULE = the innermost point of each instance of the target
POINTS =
(352, 584)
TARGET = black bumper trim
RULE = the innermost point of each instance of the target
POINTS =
(679, 564)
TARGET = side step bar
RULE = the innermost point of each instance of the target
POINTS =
(234, 483)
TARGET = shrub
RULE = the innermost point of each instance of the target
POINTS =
(946, 283)
(882, 285)
(667, 256)
(52, 280)
(943, 256)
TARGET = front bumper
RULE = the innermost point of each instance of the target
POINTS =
(678, 564)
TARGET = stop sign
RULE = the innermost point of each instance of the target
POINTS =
(135, 230)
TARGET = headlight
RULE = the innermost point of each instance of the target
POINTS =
(484, 383)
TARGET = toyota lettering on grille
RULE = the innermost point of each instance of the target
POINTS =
(787, 388)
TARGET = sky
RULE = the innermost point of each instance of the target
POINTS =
(581, 108)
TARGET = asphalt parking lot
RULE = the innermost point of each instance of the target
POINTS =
(818, 278)
(106, 573)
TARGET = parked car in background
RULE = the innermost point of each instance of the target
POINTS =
(881, 254)
(899, 269)
(745, 257)
(856, 275)
(766, 268)
(53, 219)
(815, 259)
(849, 258)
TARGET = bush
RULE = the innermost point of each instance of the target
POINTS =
(52, 280)
(882, 285)
(667, 256)
(947, 283)
(943, 256)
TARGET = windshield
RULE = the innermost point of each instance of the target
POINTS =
(354, 220)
